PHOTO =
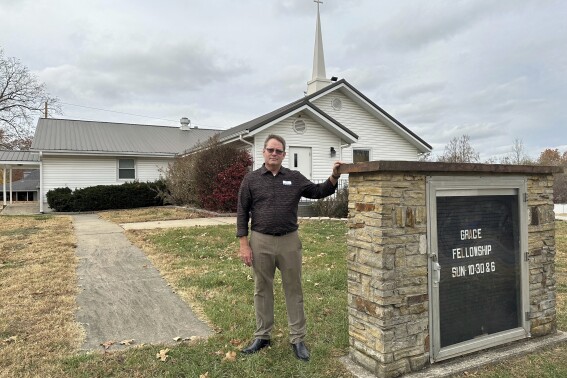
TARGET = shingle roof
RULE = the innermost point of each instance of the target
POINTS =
(18, 156)
(61, 135)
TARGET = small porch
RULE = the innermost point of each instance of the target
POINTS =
(11, 160)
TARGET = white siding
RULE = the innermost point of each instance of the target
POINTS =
(80, 172)
(383, 142)
(315, 136)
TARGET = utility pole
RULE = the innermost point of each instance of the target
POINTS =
(45, 109)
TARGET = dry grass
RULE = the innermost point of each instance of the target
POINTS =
(148, 214)
(37, 295)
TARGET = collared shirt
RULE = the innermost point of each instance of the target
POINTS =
(272, 200)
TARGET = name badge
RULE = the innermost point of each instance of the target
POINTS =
(287, 182)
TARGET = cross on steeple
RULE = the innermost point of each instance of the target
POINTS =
(318, 79)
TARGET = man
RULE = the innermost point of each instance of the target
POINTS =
(271, 195)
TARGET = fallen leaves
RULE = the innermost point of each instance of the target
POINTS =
(127, 342)
(107, 344)
(163, 355)
(230, 356)
(10, 339)
(206, 375)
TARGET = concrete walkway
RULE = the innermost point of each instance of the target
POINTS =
(122, 295)
(20, 208)
(179, 223)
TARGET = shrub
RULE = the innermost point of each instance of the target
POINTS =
(59, 199)
(209, 178)
(104, 197)
(333, 207)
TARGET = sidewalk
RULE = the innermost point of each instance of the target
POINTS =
(122, 295)
(179, 223)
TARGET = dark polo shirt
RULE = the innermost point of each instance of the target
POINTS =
(272, 200)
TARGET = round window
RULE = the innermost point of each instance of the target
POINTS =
(299, 126)
(336, 103)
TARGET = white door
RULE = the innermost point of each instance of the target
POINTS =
(300, 160)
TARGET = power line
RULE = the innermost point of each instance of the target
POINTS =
(114, 111)
(132, 114)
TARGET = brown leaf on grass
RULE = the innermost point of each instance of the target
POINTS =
(219, 353)
(235, 342)
(230, 356)
(108, 344)
(206, 375)
(162, 355)
(127, 342)
(10, 339)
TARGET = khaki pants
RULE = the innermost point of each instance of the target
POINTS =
(282, 252)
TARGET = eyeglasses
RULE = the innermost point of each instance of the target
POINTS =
(272, 150)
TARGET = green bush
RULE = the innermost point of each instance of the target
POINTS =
(60, 199)
(105, 197)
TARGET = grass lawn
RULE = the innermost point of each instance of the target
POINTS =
(38, 290)
(203, 267)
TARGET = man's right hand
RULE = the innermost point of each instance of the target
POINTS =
(245, 252)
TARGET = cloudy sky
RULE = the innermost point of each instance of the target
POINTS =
(495, 70)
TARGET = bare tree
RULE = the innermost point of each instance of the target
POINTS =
(22, 99)
(425, 157)
(459, 150)
(518, 154)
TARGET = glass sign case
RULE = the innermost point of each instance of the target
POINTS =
(478, 277)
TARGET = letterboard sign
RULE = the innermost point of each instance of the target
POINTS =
(478, 251)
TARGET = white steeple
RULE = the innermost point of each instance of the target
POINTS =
(318, 79)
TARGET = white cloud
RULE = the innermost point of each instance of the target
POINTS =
(496, 70)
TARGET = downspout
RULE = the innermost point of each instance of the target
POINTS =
(245, 141)
(40, 194)
(248, 143)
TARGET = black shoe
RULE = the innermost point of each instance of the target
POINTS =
(300, 351)
(256, 346)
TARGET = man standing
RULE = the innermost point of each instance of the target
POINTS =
(271, 195)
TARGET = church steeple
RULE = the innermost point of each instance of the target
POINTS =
(319, 77)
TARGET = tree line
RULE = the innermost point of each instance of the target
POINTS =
(460, 150)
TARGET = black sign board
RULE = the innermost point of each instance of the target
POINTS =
(478, 251)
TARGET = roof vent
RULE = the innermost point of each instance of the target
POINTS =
(185, 123)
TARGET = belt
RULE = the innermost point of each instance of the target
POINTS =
(277, 233)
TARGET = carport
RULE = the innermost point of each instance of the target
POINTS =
(10, 160)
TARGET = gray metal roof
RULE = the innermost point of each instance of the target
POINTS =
(28, 183)
(72, 136)
(18, 156)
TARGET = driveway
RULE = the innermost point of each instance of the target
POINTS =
(122, 296)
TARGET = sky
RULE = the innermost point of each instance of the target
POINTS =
(493, 70)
